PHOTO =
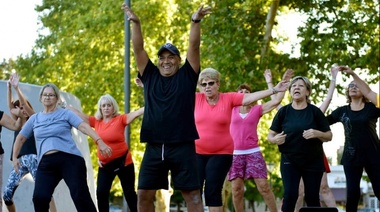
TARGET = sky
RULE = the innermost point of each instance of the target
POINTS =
(18, 24)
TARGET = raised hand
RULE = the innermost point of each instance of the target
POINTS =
(346, 69)
(131, 15)
(334, 71)
(288, 75)
(201, 12)
(268, 75)
(282, 86)
(14, 80)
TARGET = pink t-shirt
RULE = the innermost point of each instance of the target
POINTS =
(213, 123)
(244, 130)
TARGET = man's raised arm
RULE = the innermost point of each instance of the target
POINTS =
(193, 53)
(137, 39)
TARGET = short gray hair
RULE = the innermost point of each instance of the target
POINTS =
(209, 73)
(54, 87)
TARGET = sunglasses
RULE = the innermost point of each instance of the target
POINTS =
(211, 83)
(352, 86)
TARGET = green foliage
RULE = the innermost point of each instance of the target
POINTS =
(81, 49)
(343, 32)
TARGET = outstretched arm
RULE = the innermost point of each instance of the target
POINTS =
(10, 99)
(83, 116)
(249, 98)
(363, 86)
(276, 98)
(10, 123)
(334, 72)
(137, 39)
(134, 114)
(193, 52)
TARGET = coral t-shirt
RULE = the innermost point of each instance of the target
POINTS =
(213, 123)
(112, 133)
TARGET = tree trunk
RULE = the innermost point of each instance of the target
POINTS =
(268, 28)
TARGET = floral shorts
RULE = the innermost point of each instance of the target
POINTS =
(248, 166)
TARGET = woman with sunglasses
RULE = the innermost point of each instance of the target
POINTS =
(215, 146)
(58, 156)
(22, 109)
(299, 129)
(363, 87)
(362, 144)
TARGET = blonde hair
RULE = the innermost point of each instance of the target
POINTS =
(209, 73)
(348, 97)
(107, 99)
(307, 83)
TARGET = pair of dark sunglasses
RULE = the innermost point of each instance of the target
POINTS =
(211, 83)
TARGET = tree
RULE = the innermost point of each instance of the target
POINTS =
(81, 47)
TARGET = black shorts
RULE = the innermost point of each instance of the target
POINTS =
(159, 159)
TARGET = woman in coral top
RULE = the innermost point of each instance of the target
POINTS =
(110, 125)
(212, 118)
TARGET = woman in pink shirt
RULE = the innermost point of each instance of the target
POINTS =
(248, 161)
(215, 145)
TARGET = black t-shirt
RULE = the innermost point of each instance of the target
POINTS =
(169, 105)
(29, 147)
(362, 144)
(306, 153)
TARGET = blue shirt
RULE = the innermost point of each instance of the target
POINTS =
(52, 131)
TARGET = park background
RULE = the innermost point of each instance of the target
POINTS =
(80, 46)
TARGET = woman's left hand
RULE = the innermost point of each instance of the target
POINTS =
(310, 133)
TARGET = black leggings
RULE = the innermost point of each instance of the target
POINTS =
(127, 179)
(51, 170)
(353, 176)
(291, 176)
(213, 169)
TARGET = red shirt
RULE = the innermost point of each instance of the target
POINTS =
(112, 133)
